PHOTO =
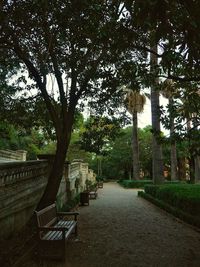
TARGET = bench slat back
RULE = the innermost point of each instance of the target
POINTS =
(46, 216)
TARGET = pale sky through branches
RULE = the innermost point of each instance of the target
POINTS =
(144, 118)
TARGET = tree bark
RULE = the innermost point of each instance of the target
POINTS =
(181, 169)
(136, 169)
(197, 169)
(173, 161)
(173, 154)
(157, 168)
(55, 176)
(56, 173)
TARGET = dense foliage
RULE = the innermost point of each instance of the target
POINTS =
(182, 196)
(135, 184)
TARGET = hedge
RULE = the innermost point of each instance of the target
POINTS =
(183, 199)
(141, 183)
(134, 183)
(191, 219)
(183, 196)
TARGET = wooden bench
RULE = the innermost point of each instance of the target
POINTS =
(54, 230)
(92, 191)
(93, 194)
(100, 184)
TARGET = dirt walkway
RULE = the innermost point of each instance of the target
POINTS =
(119, 229)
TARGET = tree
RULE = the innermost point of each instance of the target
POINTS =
(67, 42)
(145, 147)
(99, 132)
(155, 114)
(118, 162)
(135, 104)
(173, 25)
(168, 91)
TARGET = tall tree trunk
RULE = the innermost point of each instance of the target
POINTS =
(158, 176)
(191, 158)
(173, 156)
(197, 168)
(196, 156)
(173, 161)
(56, 173)
(136, 170)
(181, 169)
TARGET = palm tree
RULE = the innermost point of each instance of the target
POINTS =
(168, 91)
(157, 168)
(135, 104)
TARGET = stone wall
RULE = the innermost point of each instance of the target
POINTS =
(22, 185)
(10, 155)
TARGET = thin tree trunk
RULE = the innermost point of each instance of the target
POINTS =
(136, 170)
(173, 153)
(197, 169)
(191, 158)
(196, 157)
(181, 169)
(173, 161)
(158, 177)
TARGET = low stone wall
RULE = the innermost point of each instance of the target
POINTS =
(74, 181)
(10, 155)
(21, 187)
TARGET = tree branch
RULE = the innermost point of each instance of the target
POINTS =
(181, 79)
(41, 84)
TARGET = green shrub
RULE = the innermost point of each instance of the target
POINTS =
(134, 183)
(174, 182)
(151, 189)
(100, 178)
(182, 196)
(186, 216)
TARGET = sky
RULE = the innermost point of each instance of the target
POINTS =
(144, 118)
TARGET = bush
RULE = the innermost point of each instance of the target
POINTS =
(151, 189)
(134, 183)
(182, 196)
(101, 178)
(185, 216)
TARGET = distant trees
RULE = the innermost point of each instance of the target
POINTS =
(17, 138)
(97, 136)
(118, 163)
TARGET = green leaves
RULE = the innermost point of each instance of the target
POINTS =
(99, 131)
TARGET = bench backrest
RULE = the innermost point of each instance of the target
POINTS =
(46, 216)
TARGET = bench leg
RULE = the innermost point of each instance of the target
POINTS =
(76, 230)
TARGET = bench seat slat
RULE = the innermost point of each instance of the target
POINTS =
(57, 235)
(66, 224)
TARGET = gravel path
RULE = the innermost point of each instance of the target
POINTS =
(119, 229)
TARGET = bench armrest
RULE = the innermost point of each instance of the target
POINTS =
(63, 214)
